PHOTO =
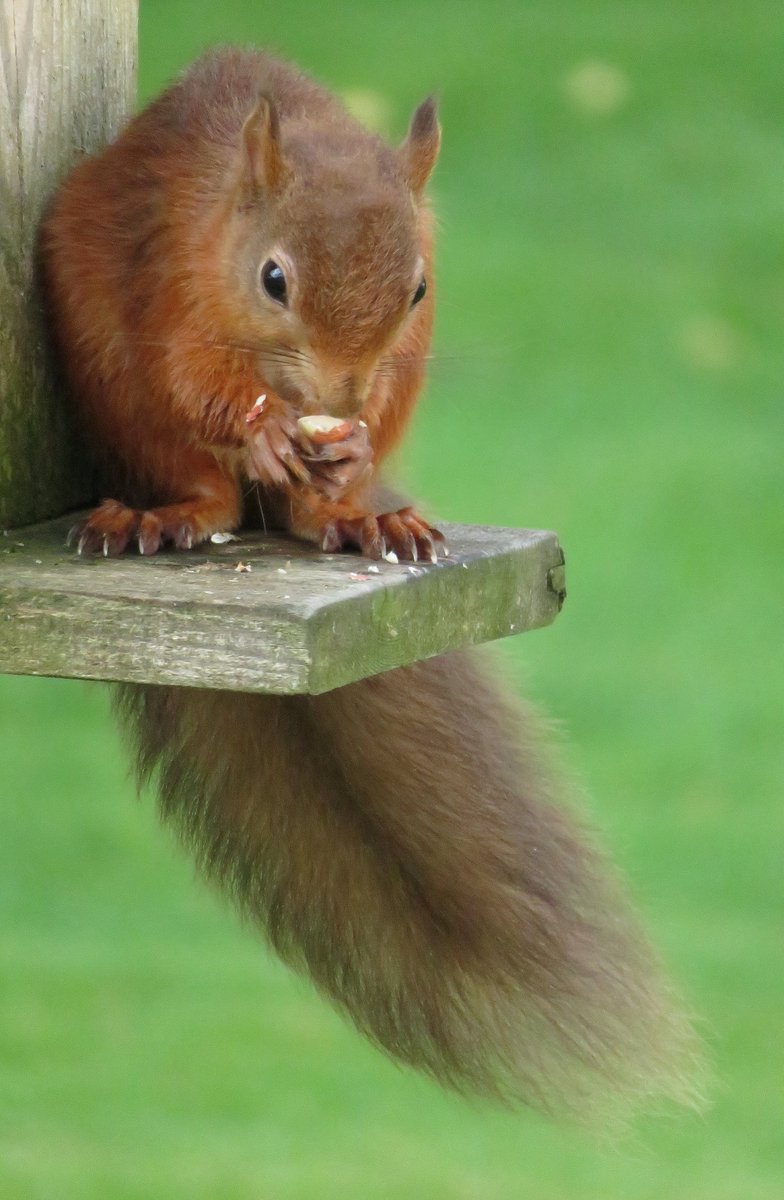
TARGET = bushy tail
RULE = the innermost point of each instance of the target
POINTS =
(402, 841)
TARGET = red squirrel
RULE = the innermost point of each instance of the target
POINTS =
(244, 238)
(245, 254)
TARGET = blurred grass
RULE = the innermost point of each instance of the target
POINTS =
(608, 363)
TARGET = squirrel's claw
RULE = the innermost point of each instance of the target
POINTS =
(403, 534)
(107, 530)
(273, 450)
(112, 527)
(360, 533)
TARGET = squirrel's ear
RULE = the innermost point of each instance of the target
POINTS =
(419, 151)
(263, 165)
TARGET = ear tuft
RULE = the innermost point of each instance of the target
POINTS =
(419, 151)
(263, 166)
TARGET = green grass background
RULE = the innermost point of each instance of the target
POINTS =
(609, 364)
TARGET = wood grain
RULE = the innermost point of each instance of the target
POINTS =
(67, 81)
(297, 621)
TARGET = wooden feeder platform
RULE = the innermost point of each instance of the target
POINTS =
(263, 613)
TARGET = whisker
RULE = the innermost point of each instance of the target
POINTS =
(269, 350)
(394, 364)
(261, 510)
(251, 489)
(390, 366)
(195, 342)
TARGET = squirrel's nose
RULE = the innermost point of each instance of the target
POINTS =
(342, 395)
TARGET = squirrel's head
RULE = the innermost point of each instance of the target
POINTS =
(328, 251)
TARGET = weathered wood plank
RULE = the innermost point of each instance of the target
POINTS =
(67, 81)
(296, 621)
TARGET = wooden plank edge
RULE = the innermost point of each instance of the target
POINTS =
(462, 601)
(412, 612)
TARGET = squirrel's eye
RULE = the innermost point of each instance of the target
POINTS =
(419, 293)
(274, 281)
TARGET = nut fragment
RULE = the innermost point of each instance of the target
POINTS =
(321, 429)
(256, 411)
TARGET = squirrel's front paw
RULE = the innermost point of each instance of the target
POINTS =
(273, 446)
(337, 465)
(404, 534)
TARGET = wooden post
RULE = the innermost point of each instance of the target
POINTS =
(67, 82)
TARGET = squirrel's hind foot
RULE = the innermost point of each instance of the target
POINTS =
(403, 533)
(112, 527)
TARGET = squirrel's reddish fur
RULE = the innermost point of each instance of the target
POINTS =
(403, 840)
(152, 255)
